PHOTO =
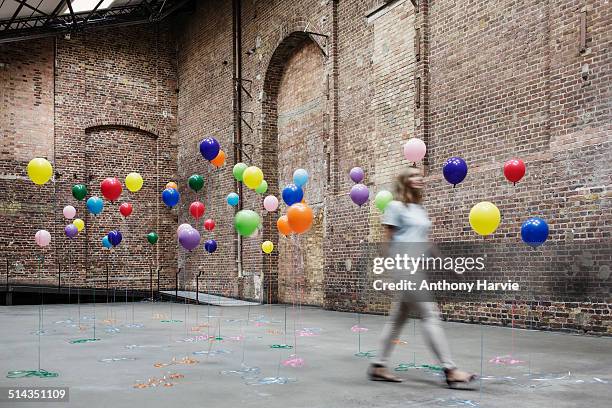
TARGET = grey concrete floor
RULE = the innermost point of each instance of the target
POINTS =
(557, 370)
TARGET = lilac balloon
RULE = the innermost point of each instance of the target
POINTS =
(42, 238)
(359, 194)
(182, 227)
(69, 212)
(71, 230)
(270, 203)
(357, 174)
(189, 238)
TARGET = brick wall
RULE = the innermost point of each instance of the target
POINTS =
(100, 104)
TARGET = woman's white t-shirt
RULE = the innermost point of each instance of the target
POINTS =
(410, 220)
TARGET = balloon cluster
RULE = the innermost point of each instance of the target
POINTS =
(211, 151)
(359, 192)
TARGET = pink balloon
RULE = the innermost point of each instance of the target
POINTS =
(414, 150)
(42, 238)
(270, 203)
(182, 227)
(69, 212)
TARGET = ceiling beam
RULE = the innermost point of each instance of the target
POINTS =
(34, 9)
(55, 12)
(74, 22)
(15, 14)
(93, 11)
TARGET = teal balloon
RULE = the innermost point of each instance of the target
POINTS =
(382, 199)
(232, 199)
(106, 242)
(95, 205)
(246, 222)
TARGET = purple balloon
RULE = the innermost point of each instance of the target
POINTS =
(71, 230)
(357, 174)
(189, 238)
(359, 194)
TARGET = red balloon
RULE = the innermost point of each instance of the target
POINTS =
(209, 225)
(514, 170)
(126, 209)
(111, 188)
(196, 209)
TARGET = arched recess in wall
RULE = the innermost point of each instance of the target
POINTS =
(294, 136)
(114, 150)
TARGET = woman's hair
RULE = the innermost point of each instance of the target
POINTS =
(403, 191)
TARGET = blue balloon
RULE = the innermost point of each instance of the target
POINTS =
(171, 197)
(292, 194)
(95, 205)
(106, 242)
(232, 199)
(534, 231)
(210, 246)
(300, 177)
(209, 148)
(115, 237)
(455, 169)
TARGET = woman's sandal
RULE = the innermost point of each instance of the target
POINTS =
(458, 377)
(378, 372)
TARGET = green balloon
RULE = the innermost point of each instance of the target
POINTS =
(196, 182)
(239, 168)
(152, 237)
(246, 222)
(262, 188)
(79, 191)
(382, 199)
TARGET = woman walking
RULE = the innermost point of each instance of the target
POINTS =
(407, 227)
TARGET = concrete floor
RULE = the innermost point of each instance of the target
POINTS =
(566, 370)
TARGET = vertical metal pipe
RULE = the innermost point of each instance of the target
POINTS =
(237, 105)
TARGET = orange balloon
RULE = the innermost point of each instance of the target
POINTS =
(219, 160)
(283, 225)
(172, 184)
(300, 217)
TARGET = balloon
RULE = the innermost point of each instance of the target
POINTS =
(238, 170)
(455, 169)
(246, 222)
(189, 238)
(115, 237)
(42, 238)
(182, 227)
(484, 218)
(71, 230)
(359, 194)
(292, 194)
(79, 223)
(152, 237)
(414, 150)
(133, 182)
(196, 182)
(95, 205)
(283, 225)
(300, 217)
(300, 177)
(534, 231)
(267, 246)
(209, 148)
(262, 188)
(270, 203)
(126, 209)
(39, 171)
(232, 199)
(172, 184)
(514, 170)
(196, 209)
(111, 188)
(252, 177)
(357, 174)
(382, 199)
(171, 197)
(209, 225)
(219, 160)
(79, 191)
(210, 246)
(69, 212)
(106, 243)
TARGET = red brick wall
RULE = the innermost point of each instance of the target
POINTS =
(108, 106)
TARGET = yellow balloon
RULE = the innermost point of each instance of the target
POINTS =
(267, 246)
(79, 223)
(484, 218)
(40, 170)
(252, 177)
(133, 182)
